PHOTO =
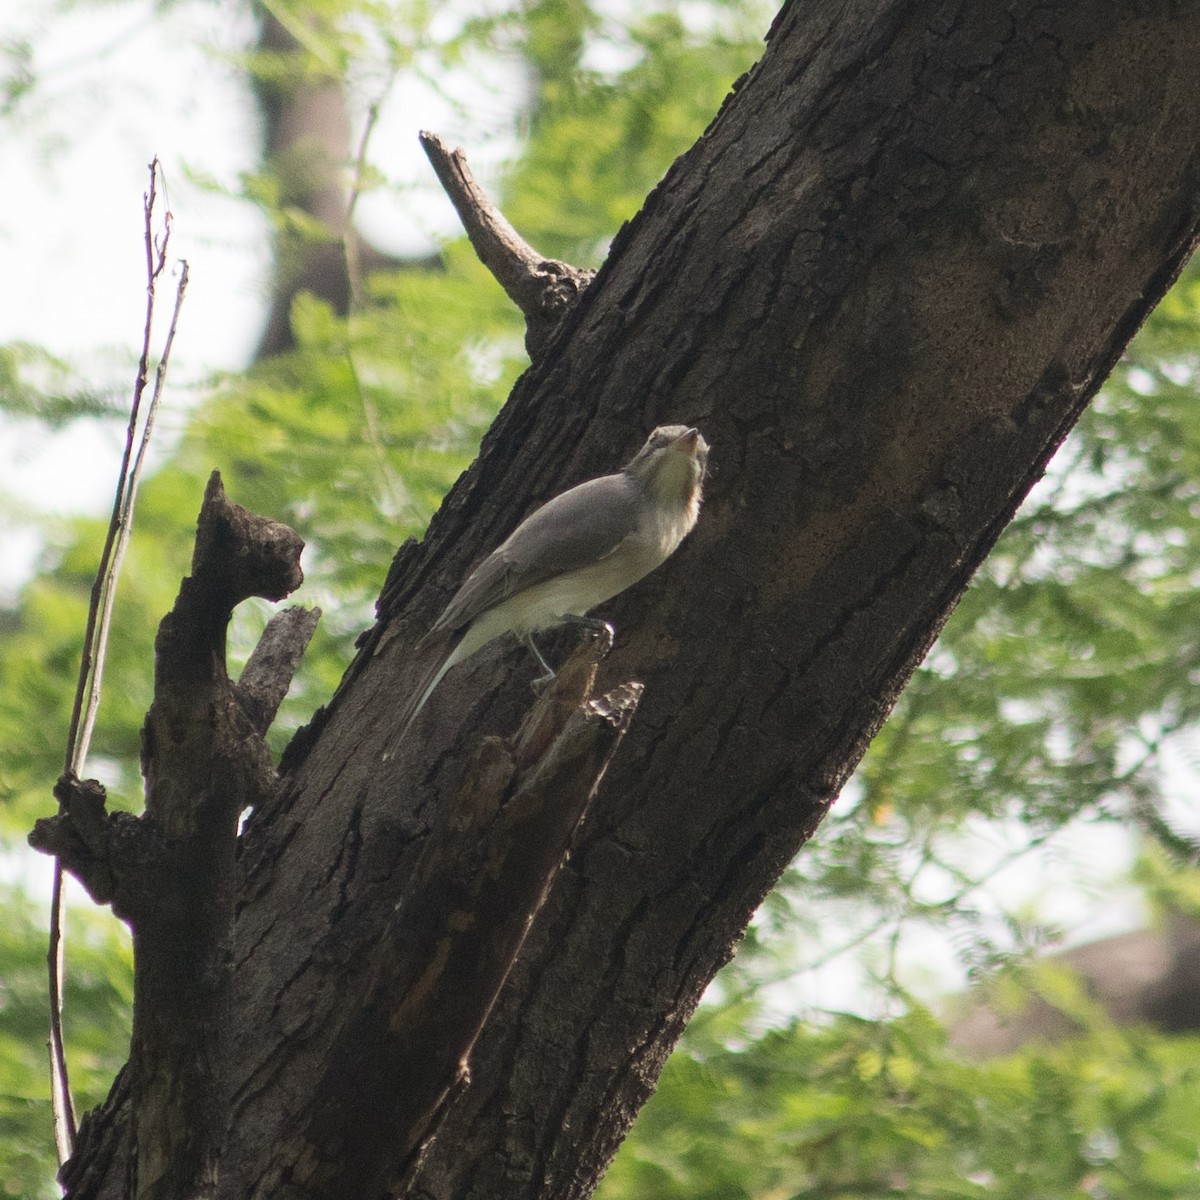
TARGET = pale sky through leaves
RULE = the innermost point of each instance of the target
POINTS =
(121, 84)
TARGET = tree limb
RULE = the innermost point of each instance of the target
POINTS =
(885, 283)
(544, 289)
(268, 672)
(205, 763)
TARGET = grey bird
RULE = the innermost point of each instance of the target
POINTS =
(576, 551)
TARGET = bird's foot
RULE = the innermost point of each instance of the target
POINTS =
(597, 630)
(540, 683)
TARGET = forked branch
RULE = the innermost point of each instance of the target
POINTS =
(171, 873)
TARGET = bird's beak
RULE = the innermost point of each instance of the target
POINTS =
(687, 442)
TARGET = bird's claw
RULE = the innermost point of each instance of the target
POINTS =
(601, 633)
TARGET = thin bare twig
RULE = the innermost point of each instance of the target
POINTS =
(126, 523)
(398, 493)
(155, 262)
(95, 642)
(65, 1125)
(350, 241)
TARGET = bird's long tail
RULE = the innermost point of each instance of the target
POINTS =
(445, 659)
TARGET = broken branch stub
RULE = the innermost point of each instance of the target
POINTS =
(544, 289)
(268, 672)
(489, 862)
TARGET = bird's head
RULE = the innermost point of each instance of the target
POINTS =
(672, 464)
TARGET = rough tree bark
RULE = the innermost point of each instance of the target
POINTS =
(884, 284)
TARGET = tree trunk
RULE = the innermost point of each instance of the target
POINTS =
(884, 284)
(308, 149)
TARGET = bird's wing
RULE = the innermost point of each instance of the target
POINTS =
(425, 685)
(579, 527)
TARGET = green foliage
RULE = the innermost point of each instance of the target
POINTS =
(36, 384)
(99, 1000)
(16, 71)
(600, 139)
(855, 1108)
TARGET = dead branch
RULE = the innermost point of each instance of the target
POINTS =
(544, 289)
(268, 672)
(171, 872)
